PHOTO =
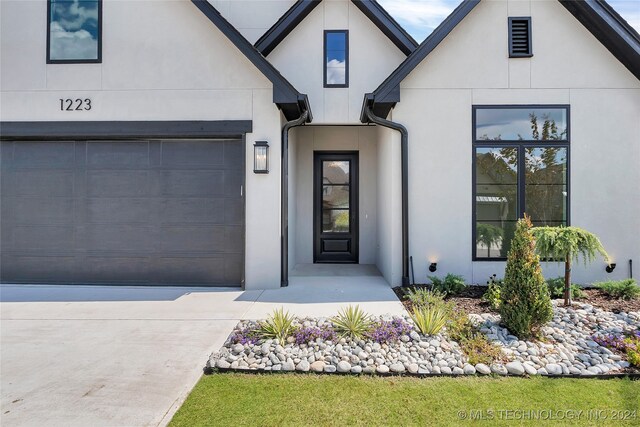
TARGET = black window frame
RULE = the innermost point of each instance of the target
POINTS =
(98, 60)
(513, 54)
(346, 59)
(521, 145)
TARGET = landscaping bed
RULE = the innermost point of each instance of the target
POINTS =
(566, 347)
(470, 299)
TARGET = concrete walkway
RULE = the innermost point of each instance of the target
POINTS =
(128, 356)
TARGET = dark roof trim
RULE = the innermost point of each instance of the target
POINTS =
(387, 94)
(302, 8)
(610, 29)
(124, 129)
(285, 25)
(288, 99)
(389, 26)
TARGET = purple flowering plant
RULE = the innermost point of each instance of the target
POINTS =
(389, 330)
(247, 335)
(628, 343)
(307, 334)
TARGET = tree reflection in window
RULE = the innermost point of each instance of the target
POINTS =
(524, 172)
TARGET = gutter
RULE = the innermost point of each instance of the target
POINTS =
(369, 117)
(284, 191)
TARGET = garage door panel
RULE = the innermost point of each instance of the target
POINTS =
(233, 268)
(118, 155)
(233, 155)
(118, 237)
(46, 238)
(103, 269)
(38, 210)
(29, 268)
(234, 211)
(192, 270)
(117, 210)
(234, 241)
(193, 238)
(122, 212)
(48, 183)
(117, 183)
(232, 182)
(191, 183)
(45, 155)
(194, 210)
(193, 154)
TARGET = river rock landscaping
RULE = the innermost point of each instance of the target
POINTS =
(567, 346)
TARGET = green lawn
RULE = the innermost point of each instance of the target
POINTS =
(280, 400)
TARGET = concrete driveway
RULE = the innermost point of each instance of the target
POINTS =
(128, 356)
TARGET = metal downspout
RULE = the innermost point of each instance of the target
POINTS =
(284, 200)
(404, 146)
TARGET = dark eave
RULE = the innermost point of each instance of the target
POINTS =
(302, 8)
(285, 25)
(384, 98)
(389, 26)
(285, 96)
(610, 29)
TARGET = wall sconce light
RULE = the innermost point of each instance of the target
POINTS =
(610, 267)
(261, 157)
(433, 267)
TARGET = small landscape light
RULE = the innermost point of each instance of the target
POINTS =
(610, 267)
(433, 267)
(261, 157)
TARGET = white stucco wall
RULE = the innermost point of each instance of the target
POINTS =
(372, 57)
(569, 66)
(335, 138)
(161, 60)
(252, 17)
(389, 203)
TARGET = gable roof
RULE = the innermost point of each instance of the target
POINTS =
(291, 102)
(302, 8)
(596, 15)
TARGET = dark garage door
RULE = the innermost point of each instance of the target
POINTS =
(122, 212)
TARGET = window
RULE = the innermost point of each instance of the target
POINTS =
(521, 160)
(336, 58)
(520, 38)
(74, 31)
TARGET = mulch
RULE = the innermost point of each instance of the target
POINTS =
(470, 300)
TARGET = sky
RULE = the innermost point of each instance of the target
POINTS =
(420, 17)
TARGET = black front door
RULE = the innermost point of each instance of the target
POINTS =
(335, 207)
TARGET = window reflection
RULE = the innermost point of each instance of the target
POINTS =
(521, 124)
(74, 29)
(336, 58)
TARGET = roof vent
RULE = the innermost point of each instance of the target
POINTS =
(520, 37)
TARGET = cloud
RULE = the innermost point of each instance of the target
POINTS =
(73, 16)
(419, 17)
(336, 72)
(72, 44)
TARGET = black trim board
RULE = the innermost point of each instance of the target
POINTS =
(124, 129)
(622, 40)
(283, 27)
(289, 100)
(302, 8)
(389, 26)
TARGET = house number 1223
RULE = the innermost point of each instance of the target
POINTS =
(77, 104)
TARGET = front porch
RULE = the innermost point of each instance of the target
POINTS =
(356, 208)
